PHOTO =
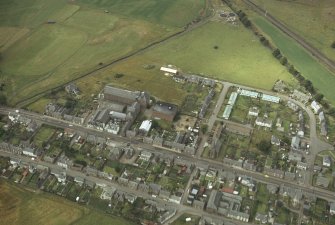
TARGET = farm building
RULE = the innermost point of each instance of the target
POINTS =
(169, 71)
(165, 111)
(270, 98)
(247, 93)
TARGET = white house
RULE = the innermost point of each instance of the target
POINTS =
(145, 126)
(316, 107)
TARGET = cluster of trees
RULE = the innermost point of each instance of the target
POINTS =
(244, 18)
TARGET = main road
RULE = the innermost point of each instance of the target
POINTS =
(196, 160)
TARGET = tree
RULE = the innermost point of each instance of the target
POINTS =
(283, 60)
(3, 99)
(319, 97)
(276, 53)
(264, 146)
(291, 69)
(204, 128)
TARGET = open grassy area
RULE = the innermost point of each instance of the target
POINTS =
(309, 67)
(313, 20)
(239, 57)
(43, 135)
(19, 206)
(37, 55)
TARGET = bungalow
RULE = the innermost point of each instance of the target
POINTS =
(302, 165)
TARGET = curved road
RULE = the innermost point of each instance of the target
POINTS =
(311, 49)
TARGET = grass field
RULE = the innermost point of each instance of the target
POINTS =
(233, 61)
(18, 206)
(311, 69)
(37, 56)
(313, 20)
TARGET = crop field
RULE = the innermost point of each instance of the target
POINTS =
(49, 43)
(45, 209)
(313, 20)
(309, 67)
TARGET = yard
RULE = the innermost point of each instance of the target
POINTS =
(43, 135)
(182, 220)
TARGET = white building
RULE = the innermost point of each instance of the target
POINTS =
(145, 126)
(227, 112)
(316, 107)
(247, 93)
(29, 152)
(169, 70)
(270, 98)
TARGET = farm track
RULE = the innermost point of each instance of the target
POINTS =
(330, 64)
(189, 27)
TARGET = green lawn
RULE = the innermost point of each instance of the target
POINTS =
(43, 135)
(309, 67)
(239, 58)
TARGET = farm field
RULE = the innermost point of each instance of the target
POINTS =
(321, 78)
(51, 43)
(194, 53)
(45, 209)
(313, 20)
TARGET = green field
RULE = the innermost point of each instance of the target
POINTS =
(239, 58)
(19, 206)
(313, 20)
(234, 60)
(309, 67)
(36, 56)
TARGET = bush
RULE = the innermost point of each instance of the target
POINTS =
(333, 44)
(264, 146)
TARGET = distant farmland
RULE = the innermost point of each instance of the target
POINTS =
(37, 55)
(309, 67)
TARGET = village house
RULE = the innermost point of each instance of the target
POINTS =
(253, 111)
(264, 122)
(326, 161)
(316, 107)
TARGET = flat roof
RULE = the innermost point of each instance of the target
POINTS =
(252, 94)
(227, 111)
(169, 70)
(270, 98)
(166, 108)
